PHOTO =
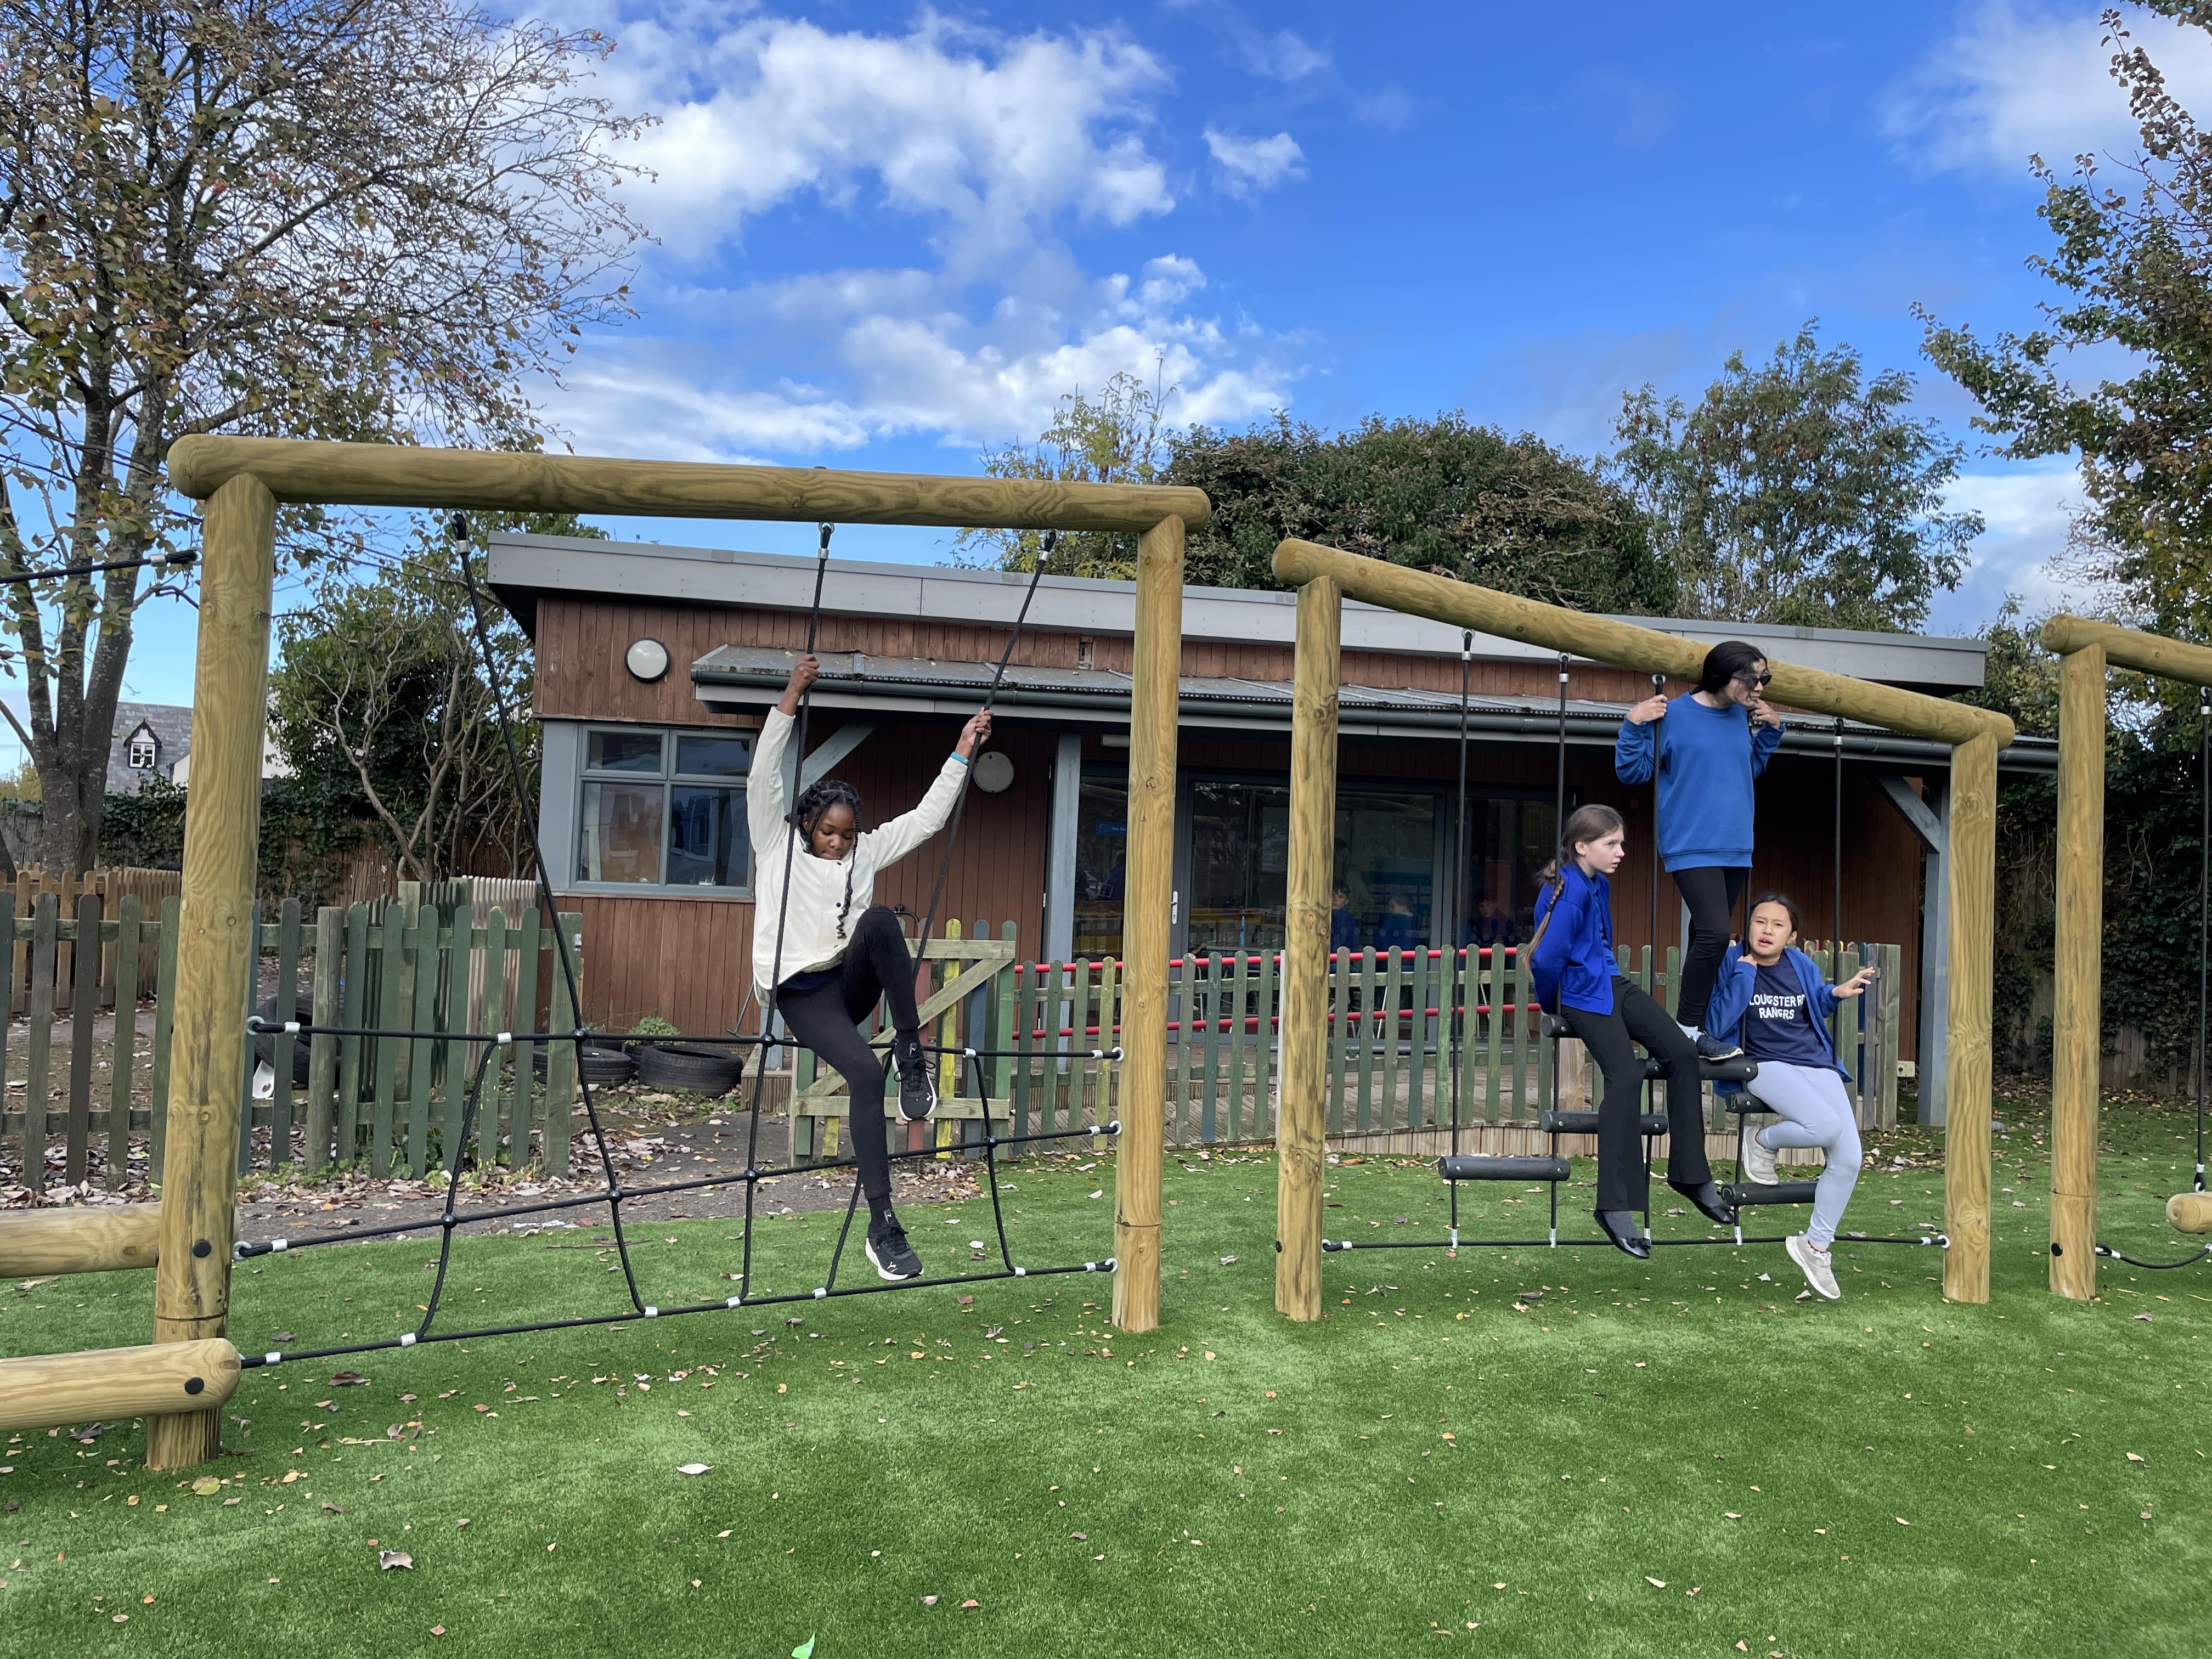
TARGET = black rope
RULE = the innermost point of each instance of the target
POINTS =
(2108, 1252)
(990, 697)
(457, 530)
(1461, 956)
(2203, 905)
(791, 834)
(1836, 939)
(1651, 961)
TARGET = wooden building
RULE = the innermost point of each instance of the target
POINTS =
(653, 664)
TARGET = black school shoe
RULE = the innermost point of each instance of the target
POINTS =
(1707, 1197)
(1621, 1226)
(893, 1257)
(917, 1081)
(1713, 1049)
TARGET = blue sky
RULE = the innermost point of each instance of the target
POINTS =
(889, 237)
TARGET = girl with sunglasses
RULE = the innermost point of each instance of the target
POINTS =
(1704, 748)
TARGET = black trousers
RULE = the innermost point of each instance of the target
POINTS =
(1712, 892)
(1636, 1017)
(876, 967)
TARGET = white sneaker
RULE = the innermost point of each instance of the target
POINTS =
(1813, 1261)
(1757, 1166)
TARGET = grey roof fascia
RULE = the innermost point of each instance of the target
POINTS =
(522, 566)
(746, 679)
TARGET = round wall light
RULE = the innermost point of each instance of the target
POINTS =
(646, 659)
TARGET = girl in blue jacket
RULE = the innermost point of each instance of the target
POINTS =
(1705, 748)
(1772, 999)
(1571, 968)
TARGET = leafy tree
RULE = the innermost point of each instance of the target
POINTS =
(2132, 264)
(1113, 437)
(1798, 493)
(1440, 495)
(381, 705)
(356, 219)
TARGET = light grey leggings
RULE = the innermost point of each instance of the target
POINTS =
(1816, 1112)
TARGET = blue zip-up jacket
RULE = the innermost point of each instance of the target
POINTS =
(1705, 761)
(1572, 965)
(1732, 1000)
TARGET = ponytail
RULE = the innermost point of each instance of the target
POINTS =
(1583, 824)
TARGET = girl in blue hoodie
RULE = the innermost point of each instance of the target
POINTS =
(1573, 970)
(1772, 999)
(1705, 748)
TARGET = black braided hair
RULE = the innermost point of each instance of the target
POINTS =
(813, 801)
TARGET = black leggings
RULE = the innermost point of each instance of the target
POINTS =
(1711, 891)
(876, 966)
(1622, 1182)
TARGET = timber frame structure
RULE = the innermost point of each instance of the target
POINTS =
(1325, 577)
(182, 1382)
(2086, 650)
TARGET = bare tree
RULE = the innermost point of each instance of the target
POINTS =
(356, 219)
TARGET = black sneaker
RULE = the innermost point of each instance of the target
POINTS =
(894, 1258)
(917, 1081)
(1717, 1048)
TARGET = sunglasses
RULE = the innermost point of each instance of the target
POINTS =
(1759, 682)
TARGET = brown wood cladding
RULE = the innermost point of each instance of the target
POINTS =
(687, 959)
(581, 644)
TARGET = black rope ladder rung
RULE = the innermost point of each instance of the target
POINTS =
(612, 1193)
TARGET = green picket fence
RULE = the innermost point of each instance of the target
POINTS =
(1390, 1049)
(419, 962)
(1389, 1052)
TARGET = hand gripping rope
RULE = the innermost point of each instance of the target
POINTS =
(613, 1194)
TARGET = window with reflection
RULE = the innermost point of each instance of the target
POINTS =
(665, 808)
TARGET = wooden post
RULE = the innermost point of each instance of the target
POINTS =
(1973, 864)
(2077, 1003)
(222, 823)
(1301, 1117)
(46, 1390)
(1148, 888)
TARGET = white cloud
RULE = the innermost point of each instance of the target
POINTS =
(987, 138)
(921, 368)
(1282, 56)
(2028, 510)
(1249, 166)
(1389, 107)
(2016, 80)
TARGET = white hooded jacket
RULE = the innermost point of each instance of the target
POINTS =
(817, 885)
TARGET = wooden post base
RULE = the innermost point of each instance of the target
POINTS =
(2072, 1245)
(43, 1390)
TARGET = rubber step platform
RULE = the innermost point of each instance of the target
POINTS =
(1468, 1167)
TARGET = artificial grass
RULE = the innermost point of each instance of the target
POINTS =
(1672, 1457)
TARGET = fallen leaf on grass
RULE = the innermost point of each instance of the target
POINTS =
(387, 1559)
(1900, 1520)
(693, 1469)
(1730, 1515)
(971, 1602)
(929, 1600)
(1655, 1584)
(2136, 1457)
(347, 1379)
(206, 1486)
(1080, 1537)
(804, 1650)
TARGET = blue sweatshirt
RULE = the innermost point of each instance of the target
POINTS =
(1706, 763)
(1732, 993)
(1572, 965)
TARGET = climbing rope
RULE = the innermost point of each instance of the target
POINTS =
(613, 1195)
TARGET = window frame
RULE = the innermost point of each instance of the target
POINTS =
(131, 746)
(668, 779)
